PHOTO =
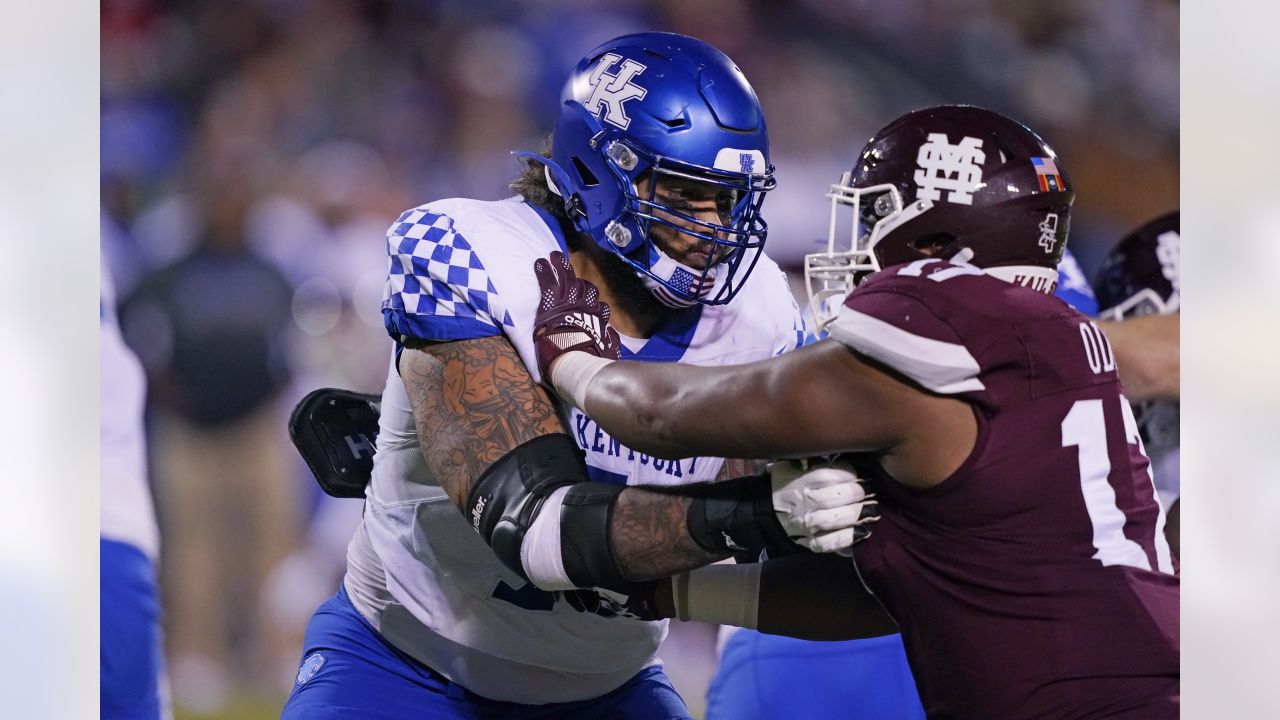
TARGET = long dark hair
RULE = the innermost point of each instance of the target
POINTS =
(631, 295)
(531, 183)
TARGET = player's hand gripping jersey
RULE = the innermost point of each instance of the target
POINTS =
(463, 269)
(1038, 571)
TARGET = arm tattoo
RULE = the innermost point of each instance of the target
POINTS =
(737, 467)
(650, 536)
(649, 529)
(473, 402)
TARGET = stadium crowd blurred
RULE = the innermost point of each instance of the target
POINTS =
(254, 151)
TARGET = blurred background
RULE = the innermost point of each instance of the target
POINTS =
(253, 153)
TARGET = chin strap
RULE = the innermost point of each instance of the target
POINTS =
(963, 256)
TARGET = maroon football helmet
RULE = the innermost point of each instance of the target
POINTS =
(957, 176)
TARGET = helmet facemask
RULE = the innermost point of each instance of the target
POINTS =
(830, 276)
(730, 246)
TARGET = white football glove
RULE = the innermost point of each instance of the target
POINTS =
(823, 508)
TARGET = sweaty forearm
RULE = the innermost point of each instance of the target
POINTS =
(655, 532)
(667, 410)
(640, 402)
(816, 400)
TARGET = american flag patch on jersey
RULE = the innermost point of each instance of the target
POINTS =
(1047, 173)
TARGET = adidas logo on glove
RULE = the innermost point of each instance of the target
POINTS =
(587, 322)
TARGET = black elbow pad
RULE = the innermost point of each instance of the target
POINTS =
(584, 537)
(507, 497)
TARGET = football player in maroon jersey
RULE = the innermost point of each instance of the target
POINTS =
(1020, 545)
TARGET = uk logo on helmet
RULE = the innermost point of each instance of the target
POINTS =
(609, 92)
(956, 169)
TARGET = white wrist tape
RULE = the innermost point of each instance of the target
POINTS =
(540, 554)
(724, 594)
(572, 372)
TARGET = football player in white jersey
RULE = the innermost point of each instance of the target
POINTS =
(133, 683)
(652, 188)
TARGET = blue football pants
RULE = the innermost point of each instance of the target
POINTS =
(349, 671)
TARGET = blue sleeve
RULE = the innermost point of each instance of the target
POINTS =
(437, 287)
(1074, 288)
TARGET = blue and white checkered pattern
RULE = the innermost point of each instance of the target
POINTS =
(437, 288)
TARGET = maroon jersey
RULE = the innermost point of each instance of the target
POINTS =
(1035, 581)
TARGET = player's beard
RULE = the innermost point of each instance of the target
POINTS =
(630, 296)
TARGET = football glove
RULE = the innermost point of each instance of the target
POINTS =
(822, 505)
(570, 316)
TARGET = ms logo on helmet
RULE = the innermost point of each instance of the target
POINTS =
(611, 91)
(955, 168)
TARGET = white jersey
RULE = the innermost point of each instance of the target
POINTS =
(416, 569)
(126, 511)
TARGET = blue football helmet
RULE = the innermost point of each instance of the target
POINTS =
(663, 105)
